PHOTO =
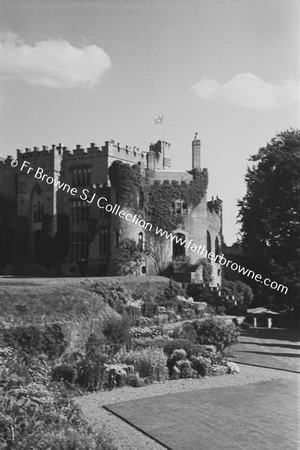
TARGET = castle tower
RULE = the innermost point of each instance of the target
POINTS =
(196, 153)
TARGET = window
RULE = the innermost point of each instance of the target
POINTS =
(141, 242)
(38, 212)
(179, 247)
(208, 242)
(180, 208)
(102, 203)
(79, 246)
(118, 235)
(80, 211)
(103, 240)
(81, 176)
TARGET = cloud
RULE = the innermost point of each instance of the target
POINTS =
(249, 91)
(51, 63)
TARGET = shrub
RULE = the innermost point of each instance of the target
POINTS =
(92, 374)
(215, 332)
(64, 372)
(185, 344)
(148, 363)
(201, 365)
(94, 346)
(117, 332)
(185, 368)
(34, 340)
(37, 414)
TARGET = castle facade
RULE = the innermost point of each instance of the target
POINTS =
(73, 208)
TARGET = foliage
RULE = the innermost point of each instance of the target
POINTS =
(150, 363)
(217, 332)
(34, 340)
(212, 331)
(129, 258)
(117, 332)
(269, 216)
(38, 414)
(92, 374)
(243, 296)
(131, 187)
(144, 332)
(189, 347)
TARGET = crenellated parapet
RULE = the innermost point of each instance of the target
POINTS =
(5, 163)
(214, 206)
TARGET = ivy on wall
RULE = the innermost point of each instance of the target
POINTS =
(129, 185)
(158, 199)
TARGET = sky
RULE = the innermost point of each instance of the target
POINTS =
(76, 72)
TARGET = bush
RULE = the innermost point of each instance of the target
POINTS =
(34, 340)
(40, 415)
(92, 374)
(149, 363)
(201, 365)
(117, 332)
(189, 347)
(215, 332)
(64, 372)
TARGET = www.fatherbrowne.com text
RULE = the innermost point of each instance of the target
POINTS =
(102, 203)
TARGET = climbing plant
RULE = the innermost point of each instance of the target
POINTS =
(127, 183)
(158, 200)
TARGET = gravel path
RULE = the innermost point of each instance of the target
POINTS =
(126, 436)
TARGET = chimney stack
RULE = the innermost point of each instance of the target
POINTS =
(196, 153)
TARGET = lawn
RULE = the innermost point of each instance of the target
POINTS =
(30, 299)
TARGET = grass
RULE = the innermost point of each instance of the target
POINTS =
(51, 299)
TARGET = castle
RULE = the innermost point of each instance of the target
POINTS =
(57, 204)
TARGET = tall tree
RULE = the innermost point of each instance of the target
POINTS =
(269, 216)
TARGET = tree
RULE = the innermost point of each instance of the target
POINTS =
(269, 216)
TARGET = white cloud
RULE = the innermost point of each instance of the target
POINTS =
(51, 63)
(249, 91)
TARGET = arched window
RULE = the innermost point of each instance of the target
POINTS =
(37, 205)
(208, 242)
(217, 246)
(141, 242)
(179, 247)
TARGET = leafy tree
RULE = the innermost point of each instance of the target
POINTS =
(269, 216)
(242, 293)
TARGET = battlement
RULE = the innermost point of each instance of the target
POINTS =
(115, 149)
(110, 148)
(44, 151)
(215, 205)
(6, 162)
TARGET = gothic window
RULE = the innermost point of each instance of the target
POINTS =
(80, 211)
(102, 203)
(103, 240)
(79, 246)
(180, 207)
(179, 247)
(141, 242)
(208, 242)
(38, 212)
(81, 176)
